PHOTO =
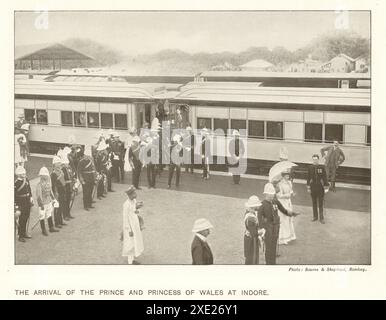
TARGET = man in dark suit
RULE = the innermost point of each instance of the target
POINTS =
(201, 252)
(86, 174)
(316, 183)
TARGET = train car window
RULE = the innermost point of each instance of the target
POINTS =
(221, 124)
(274, 130)
(67, 119)
(256, 129)
(204, 123)
(120, 121)
(313, 132)
(93, 119)
(238, 124)
(80, 119)
(29, 115)
(41, 116)
(107, 120)
(368, 135)
(333, 132)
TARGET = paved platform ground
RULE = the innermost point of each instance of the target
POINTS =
(93, 237)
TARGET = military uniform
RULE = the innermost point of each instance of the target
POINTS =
(117, 159)
(174, 166)
(236, 148)
(205, 154)
(86, 175)
(269, 219)
(23, 201)
(317, 180)
(103, 165)
(58, 188)
(69, 180)
(136, 164)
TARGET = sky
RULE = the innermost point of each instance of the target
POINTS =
(149, 32)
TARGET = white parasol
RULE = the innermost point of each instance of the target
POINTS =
(278, 168)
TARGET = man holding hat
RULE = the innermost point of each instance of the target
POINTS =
(253, 234)
(201, 252)
(333, 159)
(132, 234)
(23, 201)
(58, 188)
(269, 219)
(45, 200)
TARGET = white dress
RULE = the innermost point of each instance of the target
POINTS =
(132, 246)
(287, 230)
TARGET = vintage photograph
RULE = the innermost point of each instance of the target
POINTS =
(192, 137)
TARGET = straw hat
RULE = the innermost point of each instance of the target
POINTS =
(20, 170)
(201, 225)
(253, 202)
(269, 188)
(44, 172)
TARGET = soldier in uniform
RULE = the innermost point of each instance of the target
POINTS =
(150, 166)
(86, 175)
(237, 149)
(45, 200)
(117, 157)
(59, 190)
(252, 231)
(269, 219)
(189, 142)
(135, 161)
(69, 179)
(102, 167)
(176, 149)
(23, 202)
(333, 159)
(316, 184)
(205, 153)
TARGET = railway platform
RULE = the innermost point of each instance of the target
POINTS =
(93, 236)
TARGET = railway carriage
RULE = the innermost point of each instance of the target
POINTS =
(301, 119)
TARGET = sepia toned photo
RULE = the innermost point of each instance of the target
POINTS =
(192, 138)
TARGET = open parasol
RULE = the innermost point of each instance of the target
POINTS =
(278, 168)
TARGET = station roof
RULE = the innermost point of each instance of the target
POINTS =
(55, 51)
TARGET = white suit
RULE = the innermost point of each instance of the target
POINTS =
(132, 246)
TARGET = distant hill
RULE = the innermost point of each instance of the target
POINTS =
(175, 61)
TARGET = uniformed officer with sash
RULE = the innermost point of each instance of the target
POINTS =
(102, 164)
(86, 174)
(69, 179)
(316, 184)
(23, 201)
(269, 219)
(58, 188)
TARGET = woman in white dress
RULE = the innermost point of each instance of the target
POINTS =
(287, 230)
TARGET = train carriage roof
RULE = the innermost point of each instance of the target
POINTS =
(205, 93)
(147, 91)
